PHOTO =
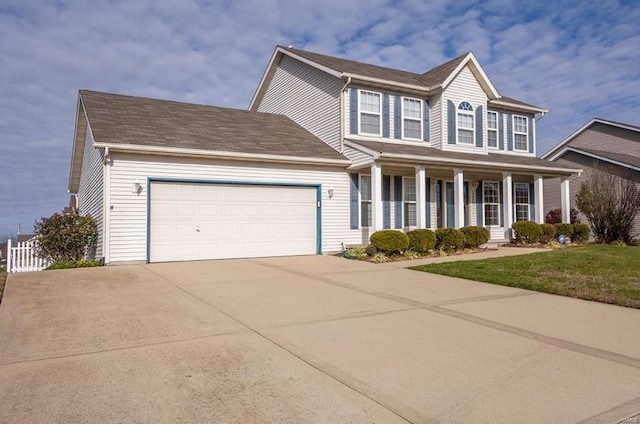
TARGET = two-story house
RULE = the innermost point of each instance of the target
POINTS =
(330, 151)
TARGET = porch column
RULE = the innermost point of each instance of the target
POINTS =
(458, 197)
(538, 188)
(421, 198)
(376, 196)
(565, 200)
(507, 199)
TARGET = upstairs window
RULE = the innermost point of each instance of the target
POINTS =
(520, 133)
(522, 201)
(409, 200)
(491, 200)
(465, 120)
(492, 129)
(370, 116)
(365, 200)
(411, 118)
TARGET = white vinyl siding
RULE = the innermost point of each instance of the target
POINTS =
(411, 118)
(369, 113)
(128, 223)
(308, 96)
(409, 201)
(521, 199)
(464, 87)
(90, 190)
(436, 122)
(520, 133)
(365, 201)
(492, 130)
(491, 202)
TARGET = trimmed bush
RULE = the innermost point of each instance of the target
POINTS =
(548, 233)
(73, 264)
(527, 232)
(390, 242)
(449, 239)
(474, 236)
(566, 229)
(580, 233)
(422, 240)
(66, 236)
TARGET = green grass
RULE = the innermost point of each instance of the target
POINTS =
(609, 274)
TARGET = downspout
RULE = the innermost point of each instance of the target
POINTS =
(106, 199)
(343, 113)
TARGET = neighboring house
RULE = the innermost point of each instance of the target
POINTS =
(330, 151)
(604, 144)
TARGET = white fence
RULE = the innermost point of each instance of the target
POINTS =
(23, 258)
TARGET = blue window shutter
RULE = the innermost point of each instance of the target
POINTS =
(509, 132)
(425, 120)
(397, 116)
(451, 122)
(479, 141)
(386, 201)
(532, 204)
(501, 206)
(397, 194)
(428, 202)
(531, 140)
(353, 197)
(385, 115)
(501, 130)
(479, 205)
(353, 110)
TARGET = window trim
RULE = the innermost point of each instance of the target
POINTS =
(470, 113)
(516, 204)
(360, 112)
(485, 203)
(361, 201)
(420, 120)
(496, 129)
(405, 224)
(526, 133)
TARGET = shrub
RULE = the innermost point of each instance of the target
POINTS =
(548, 233)
(73, 264)
(527, 232)
(422, 241)
(580, 233)
(358, 252)
(390, 241)
(474, 236)
(566, 229)
(449, 239)
(554, 216)
(65, 236)
(379, 258)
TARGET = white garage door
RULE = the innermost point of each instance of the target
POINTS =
(190, 221)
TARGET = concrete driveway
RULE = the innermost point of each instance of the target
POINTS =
(307, 339)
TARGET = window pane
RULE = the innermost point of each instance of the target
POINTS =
(491, 193)
(409, 192)
(369, 124)
(492, 120)
(412, 108)
(465, 121)
(522, 193)
(412, 129)
(465, 106)
(365, 214)
(465, 136)
(522, 212)
(409, 214)
(520, 124)
(491, 215)
(365, 187)
(492, 138)
(369, 102)
(520, 141)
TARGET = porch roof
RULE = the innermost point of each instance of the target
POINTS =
(416, 154)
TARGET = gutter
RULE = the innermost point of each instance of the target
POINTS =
(215, 154)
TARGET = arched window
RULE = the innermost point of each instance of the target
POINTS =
(465, 123)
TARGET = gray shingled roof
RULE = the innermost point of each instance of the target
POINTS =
(430, 152)
(126, 120)
(428, 79)
(618, 157)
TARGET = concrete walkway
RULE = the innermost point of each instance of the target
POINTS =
(312, 339)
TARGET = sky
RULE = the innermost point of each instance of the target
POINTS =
(579, 59)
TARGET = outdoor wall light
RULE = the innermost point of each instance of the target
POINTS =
(137, 188)
(330, 192)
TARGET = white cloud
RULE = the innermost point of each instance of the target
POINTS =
(578, 59)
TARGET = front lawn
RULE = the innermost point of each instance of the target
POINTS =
(609, 274)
